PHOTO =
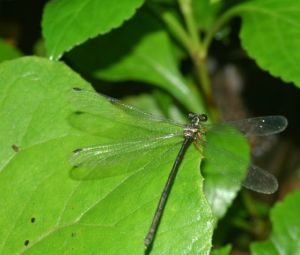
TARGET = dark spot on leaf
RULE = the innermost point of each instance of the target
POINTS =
(32, 219)
(77, 89)
(78, 112)
(77, 150)
(16, 148)
(73, 234)
(26, 242)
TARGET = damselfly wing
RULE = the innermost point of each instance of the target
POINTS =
(153, 132)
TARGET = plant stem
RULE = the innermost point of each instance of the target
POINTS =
(244, 225)
(216, 27)
(178, 31)
(186, 9)
(173, 24)
(249, 203)
(205, 81)
(192, 42)
(198, 56)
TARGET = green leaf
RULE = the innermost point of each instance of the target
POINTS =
(140, 50)
(285, 235)
(8, 52)
(270, 34)
(69, 23)
(44, 210)
(222, 251)
(226, 160)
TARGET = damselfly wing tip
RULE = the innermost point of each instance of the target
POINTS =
(278, 122)
(273, 188)
(260, 181)
(284, 122)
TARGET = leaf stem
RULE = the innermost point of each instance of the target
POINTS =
(197, 48)
(198, 55)
(205, 81)
(174, 25)
(249, 203)
(178, 31)
(186, 10)
(216, 27)
(243, 225)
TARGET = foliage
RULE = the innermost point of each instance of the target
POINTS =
(222, 251)
(7, 52)
(77, 21)
(77, 210)
(286, 233)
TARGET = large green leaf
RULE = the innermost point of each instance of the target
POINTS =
(270, 34)
(43, 210)
(224, 168)
(285, 235)
(69, 23)
(140, 50)
(8, 52)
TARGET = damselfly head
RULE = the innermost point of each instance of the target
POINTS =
(196, 118)
(203, 117)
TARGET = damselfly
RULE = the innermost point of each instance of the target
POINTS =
(154, 132)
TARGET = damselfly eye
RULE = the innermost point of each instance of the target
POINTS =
(191, 115)
(203, 117)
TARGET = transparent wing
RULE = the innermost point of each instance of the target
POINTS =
(259, 126)
(107, 160)
(134, 111)
(260, 180)
(90, 101)
(229, 163)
